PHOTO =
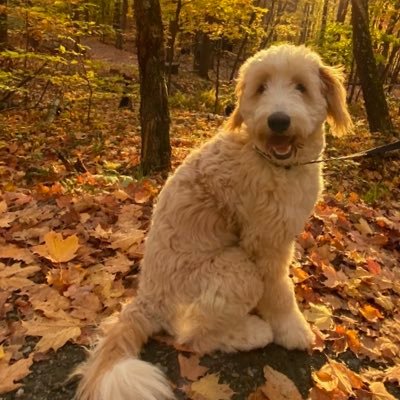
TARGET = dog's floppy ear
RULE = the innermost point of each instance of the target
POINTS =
(235, 120)
(332, 85)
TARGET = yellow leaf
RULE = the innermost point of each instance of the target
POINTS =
(278, 386)
(2, 353)
(56, 248)
(379, 392)
(320, 316)
(208, 388)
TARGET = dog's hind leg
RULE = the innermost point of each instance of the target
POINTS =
(219, 318)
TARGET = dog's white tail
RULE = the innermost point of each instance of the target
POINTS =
(113, 371)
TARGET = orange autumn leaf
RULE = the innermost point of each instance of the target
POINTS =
(58, 249)
(373, 266)
(370, 313)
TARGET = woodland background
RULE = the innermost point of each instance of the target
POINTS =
(100, 99)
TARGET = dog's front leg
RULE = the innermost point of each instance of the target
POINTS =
(278, 305)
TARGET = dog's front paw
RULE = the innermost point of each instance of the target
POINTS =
(294, 332)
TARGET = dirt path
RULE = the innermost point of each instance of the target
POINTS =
(112, 58)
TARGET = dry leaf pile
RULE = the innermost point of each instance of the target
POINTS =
(71, 243)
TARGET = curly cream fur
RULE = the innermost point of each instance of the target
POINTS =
(215, 270)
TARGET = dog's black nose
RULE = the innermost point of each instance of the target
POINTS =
(279, 122)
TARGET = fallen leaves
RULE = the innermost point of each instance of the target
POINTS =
(54, 332)
(209, 388)
(320, 316)
(58, 249)
(278, 386)
(190, 367)
(11, 374)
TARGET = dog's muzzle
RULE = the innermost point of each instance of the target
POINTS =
(279, 144)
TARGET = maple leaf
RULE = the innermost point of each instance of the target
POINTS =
(15, 277)
(10, 374)
(278, 386)
(334, 278)
(56, 248)
(320, 316)
(54, 332)
(119, 263)
(190, 367)
(336, 376)
(208, 388)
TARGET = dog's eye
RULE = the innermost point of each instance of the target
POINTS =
(262, 88)
(300, 87)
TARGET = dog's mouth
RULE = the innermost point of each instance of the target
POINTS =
(280, 147)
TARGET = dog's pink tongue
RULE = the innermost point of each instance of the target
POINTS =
(282, 148)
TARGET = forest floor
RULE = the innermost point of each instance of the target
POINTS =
(73, 215)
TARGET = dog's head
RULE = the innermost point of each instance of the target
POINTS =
(284, 95)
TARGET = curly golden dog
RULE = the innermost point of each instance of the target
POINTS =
(215, 274)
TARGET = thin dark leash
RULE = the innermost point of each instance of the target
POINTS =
(374, 151)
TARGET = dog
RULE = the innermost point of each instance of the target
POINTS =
(215, 271)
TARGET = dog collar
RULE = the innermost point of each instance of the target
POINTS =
(271, 161)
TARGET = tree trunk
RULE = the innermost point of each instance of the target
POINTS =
(3, 25)
(154, 113)
(324, 20)
(117, 24)
(342, 11)
(203, 54)
(305, 24)
(372, 88)
(173, 33)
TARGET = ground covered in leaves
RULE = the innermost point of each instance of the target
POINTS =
(73, 216)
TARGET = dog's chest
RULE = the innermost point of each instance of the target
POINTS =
(274, 209)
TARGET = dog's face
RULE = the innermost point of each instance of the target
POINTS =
(284, 96)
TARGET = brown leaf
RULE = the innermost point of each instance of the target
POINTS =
(278, 386)
(15, 277)
(320, 394)
(16, 253)
(124, 241)
(10, 374)
(190, 367)
(257, 395)
(54, 332)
